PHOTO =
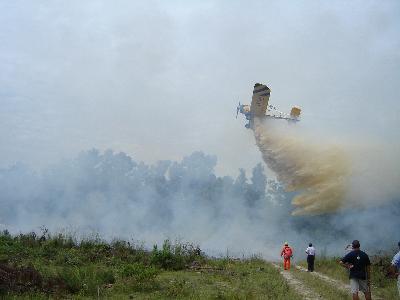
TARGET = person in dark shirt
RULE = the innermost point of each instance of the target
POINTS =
(358, 263)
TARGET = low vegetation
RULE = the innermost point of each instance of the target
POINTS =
(58, 266)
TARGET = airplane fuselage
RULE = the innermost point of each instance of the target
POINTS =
(259, 107)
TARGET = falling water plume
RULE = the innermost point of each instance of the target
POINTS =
(316, 173)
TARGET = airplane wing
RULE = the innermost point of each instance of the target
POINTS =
(259, 102)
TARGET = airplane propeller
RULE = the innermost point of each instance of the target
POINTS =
(237, 110)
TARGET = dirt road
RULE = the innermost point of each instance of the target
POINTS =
(297, 285)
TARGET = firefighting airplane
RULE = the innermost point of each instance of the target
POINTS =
(261, 109)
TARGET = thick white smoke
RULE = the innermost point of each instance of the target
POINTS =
(113, 195)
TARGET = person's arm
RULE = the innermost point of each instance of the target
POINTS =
(345, 264)
(369, 275)
(393, 272)
(393, 269)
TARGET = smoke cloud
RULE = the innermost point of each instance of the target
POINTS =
(89, 74)
(113, 195)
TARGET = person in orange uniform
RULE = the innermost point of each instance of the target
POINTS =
(287, 253)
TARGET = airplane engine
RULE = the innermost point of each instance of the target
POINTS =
(246, 109)
(295, 112)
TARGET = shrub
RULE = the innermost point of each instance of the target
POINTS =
(69, 258)
(87, 280)
(174, 257)
(28, 240)
(49, 250)
(165, 258)
(177, 288)
(139, 271)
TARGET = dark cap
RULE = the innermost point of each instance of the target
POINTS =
(310, 245)
(398, 243)
(355, 244)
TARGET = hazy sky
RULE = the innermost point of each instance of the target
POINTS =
(161, 79)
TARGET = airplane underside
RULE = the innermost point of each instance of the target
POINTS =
(259, 107)
(251, 121)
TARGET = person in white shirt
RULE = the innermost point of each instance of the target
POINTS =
(310, 257)
(395, 268)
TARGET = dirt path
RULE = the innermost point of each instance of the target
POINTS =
(336, 283)
(297, 285)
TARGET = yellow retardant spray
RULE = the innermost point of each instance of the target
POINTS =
(316, 172)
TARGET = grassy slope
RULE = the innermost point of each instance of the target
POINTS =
(61, 267)
(251, 279)
(382, 286)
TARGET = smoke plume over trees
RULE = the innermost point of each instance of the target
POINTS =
(114, 195)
